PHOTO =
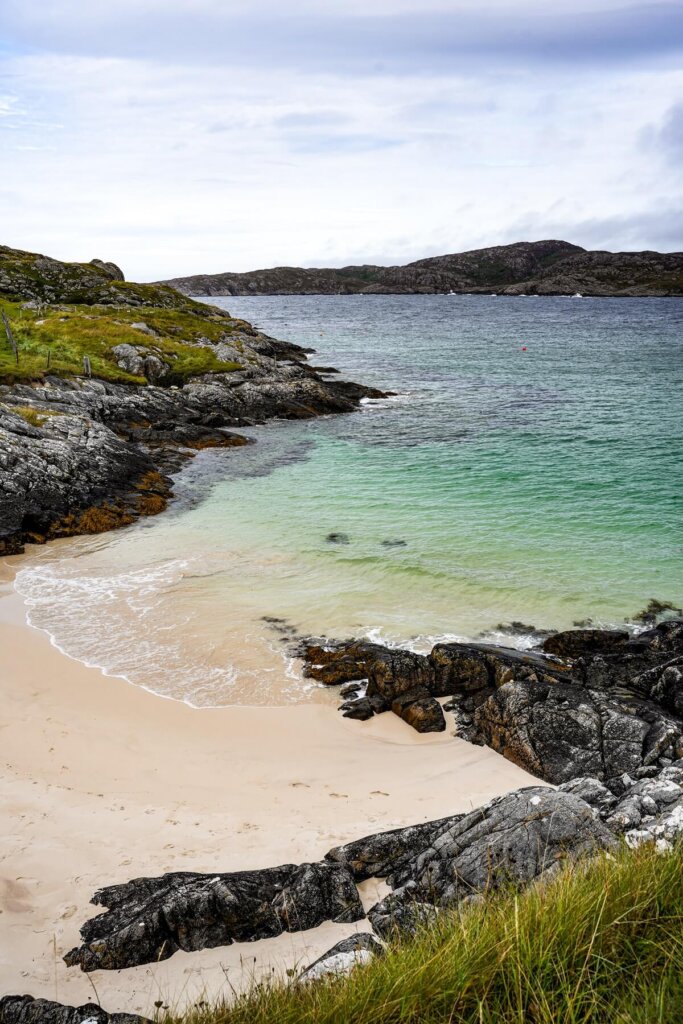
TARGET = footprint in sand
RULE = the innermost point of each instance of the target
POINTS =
(300, 784)
(68, 912)
(344, 796)
(378, 792)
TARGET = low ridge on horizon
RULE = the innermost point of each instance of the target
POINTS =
(545, 267)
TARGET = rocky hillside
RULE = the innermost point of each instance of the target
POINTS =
(532, 268)
(106, 386)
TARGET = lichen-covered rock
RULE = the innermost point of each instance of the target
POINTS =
(70, 475)
(149, 919)
(510, 841)
(353, 952)
(593, 792)
(26, 1010)
(560, 732)
(380, 855)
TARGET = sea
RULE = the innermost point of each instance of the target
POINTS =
(526, 474)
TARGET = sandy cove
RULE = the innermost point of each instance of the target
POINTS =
(103, 781)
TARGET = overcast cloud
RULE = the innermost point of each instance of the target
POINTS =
(178, 138)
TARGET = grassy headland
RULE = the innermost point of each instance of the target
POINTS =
(60, 312)
(602, 941)
(54, 340)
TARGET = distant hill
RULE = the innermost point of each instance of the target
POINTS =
(532, 268)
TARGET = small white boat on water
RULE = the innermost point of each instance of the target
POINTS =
(578, 295)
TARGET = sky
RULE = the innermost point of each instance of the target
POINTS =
(199, 136)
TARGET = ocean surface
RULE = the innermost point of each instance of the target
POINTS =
(528, 469)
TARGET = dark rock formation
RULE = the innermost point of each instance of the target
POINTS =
(353, 952)
(545, 268)
(511, 841)
(149, 919)
(408, 683)
(559, 732)
(575, 643)
(592, 703)
(420, 710)
(69, 476)
(470, 668)
(402, 912)
(379, 855)
(26, 1010)
(617, 711)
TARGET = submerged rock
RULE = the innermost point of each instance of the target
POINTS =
(26, 1010)
(149, 919)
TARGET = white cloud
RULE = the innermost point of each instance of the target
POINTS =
(171, 167)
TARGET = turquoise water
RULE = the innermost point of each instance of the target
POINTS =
(541, 485)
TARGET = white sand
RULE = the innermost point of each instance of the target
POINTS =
(103, 782)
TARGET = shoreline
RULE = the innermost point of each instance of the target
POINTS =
(104, 782)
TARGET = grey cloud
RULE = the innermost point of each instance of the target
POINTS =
(316, 142)
(660, 228)
(312, 119)
(667, 137)
(428, 43)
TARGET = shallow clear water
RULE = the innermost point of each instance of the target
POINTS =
(541, 485)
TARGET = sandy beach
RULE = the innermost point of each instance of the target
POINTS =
(103, 781)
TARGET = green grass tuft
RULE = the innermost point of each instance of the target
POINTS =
(602, 942)
(54, 340)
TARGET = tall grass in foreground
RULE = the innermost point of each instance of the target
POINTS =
(602, 942)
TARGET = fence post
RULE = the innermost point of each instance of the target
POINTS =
(10, 336)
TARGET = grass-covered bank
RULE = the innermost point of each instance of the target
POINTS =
(54, 340)
(602, 942)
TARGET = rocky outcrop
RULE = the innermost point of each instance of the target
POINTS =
(111, 269)
(618, 711)
(83, 454)
(149, 919)
(512, 841)
(341, 959)
(26, 1010)
(68, 476)
(547, 267)
(589, 703)
(645, 807)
